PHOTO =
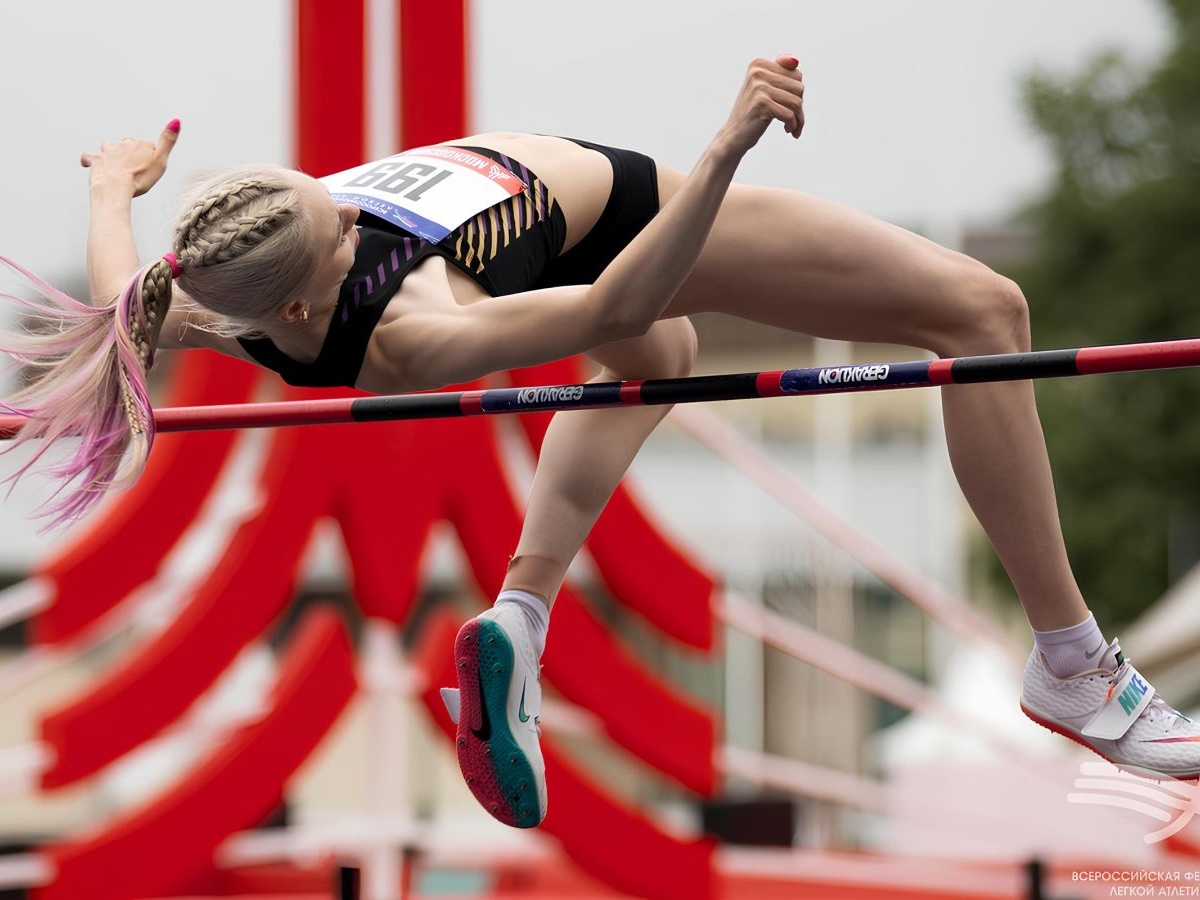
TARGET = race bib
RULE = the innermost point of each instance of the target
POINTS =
(427, 191)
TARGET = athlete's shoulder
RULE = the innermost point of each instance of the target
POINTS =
(419, 307)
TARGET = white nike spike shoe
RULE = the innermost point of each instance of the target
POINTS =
(497, 709)
(1116, 713)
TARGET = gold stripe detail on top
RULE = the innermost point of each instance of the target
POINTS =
(535, 191)
(505, 215)
(506, 221)
(480, 241)
(467, 251)
(495, 223)
(466, 260)
(528, 207)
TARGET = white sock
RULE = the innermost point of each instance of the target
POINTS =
(537, 615)
(1072, 650)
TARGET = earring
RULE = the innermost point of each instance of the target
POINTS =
(304, 314)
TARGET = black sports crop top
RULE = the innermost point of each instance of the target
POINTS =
(508, 248)
(505, 249)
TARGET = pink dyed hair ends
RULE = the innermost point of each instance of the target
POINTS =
(87, 384)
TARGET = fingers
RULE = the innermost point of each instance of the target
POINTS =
(160, 151)
(783, 84)
(167, 138)
(768, 103)
(786, 78)
(784, 65)
(791, 122)
(772, 90)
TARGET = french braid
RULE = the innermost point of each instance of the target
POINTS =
(242, 244)
(144, 322)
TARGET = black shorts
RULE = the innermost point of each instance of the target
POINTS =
(632, 203)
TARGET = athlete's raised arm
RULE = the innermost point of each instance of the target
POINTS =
(118, 173)
(86, 371)
(451, 344)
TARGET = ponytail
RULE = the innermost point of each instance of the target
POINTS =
(243, 240)
(87, 367)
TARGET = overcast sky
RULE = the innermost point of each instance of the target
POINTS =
(913, 107)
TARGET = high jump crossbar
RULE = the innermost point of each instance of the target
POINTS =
(704, 388)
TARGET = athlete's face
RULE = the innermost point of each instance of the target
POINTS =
(332, 237)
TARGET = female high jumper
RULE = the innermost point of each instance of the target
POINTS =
(551, 247)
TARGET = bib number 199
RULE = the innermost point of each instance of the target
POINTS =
(391, 180)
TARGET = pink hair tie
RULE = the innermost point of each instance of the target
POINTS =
(176, 268)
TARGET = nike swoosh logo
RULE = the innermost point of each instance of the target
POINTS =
(484, 732)
(521, 714)
(1191, 738)
(1099, 647)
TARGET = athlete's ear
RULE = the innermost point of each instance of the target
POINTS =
(294, 312)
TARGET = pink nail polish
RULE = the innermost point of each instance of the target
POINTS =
(173, 125)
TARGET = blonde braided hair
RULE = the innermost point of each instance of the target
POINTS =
(144, 322)
(241, 250)
(242, 241)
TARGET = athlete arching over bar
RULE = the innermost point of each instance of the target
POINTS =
(599, 251)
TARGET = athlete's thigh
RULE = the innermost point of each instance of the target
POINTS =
(811, 265)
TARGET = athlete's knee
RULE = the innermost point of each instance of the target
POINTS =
(1005, 315)
(992, 316)
(684, 348)
(668, 351)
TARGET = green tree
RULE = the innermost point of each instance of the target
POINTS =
(1117, 260)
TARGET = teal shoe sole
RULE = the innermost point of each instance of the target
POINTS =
(492, 762)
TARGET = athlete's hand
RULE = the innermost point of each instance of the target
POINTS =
(772, 90)
(133, 163)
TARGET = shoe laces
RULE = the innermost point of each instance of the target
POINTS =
(1160, 708)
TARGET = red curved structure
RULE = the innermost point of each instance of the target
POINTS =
(160, 848)
(247, 589)
(120, 548)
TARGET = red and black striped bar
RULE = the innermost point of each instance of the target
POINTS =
(705, 388)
